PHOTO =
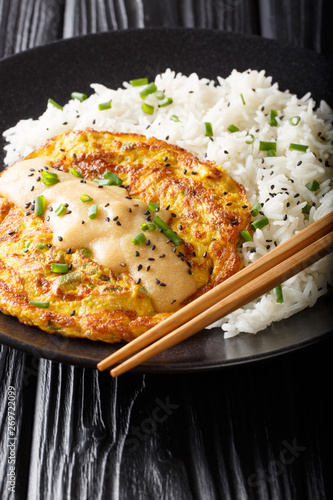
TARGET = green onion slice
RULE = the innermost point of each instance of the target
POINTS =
(49, 178)
(59, 268)
(148, 226)
(39, 205)
(271, 152)
(165, 102)
(147, 108)
(149, 89)
(294, 120)
(92, 214)
(60, 210)
(174, 118)
(167, 231)
(113, 179)
(37, 303)
(266, 146)
(208, 129)
(138, 82)
(104, 105)
(256, 209)
(139, 239)
(251, 140)
(272, 118)
(312, 185)
(297, 147)
(246, 235)
(55, 104)
(79, 96)
(153, 207)
(306, 209)
(76, 173)
(233, 128)
(243, 100)
(278, 294)
(159, 95)
(85, 197)
(260, 223)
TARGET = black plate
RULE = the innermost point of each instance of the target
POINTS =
(27, 80)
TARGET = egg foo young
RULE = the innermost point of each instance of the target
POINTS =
(102, 235)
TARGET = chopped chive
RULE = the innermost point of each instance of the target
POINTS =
(149, 89)
(152, 207)
(59, 268)
(104, 105)
(138, 82)
(55, 104)
(246, 235)
(297, 147)
(113, 179)
(266, 146)
(37, 303)
(49, 178)
(92, 214)
(251, 140)
(85, 197)
(260, 223)
(306, 209)
(147, 108)
(294, 120)
(312, 185)
(271, 152)
(41, 245)
(39, 205)
(174, 118)
(165, 102)
(79, 96)
(76, 173)
(159, 95)
(233, 128)
(272, 118)
(255, 209)
(139, 239)
(278, 294)
(208, 129)
(60, 210)
(243, 100)
(167, 231)
(148, 226)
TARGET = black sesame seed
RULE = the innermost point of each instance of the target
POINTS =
(272, 186)
(285, 217)
(167, 138)
(27, 205)
(70, 267)
(244, 206)
(82, 221)
(11, 232)
(138, 281)
(74, 156)
(129, 197)
(146, 212)
(60, 238)
(173, 301)
(194, 254)
(268, 247)
(38, 179)
(189, 271)
(107, 219)
(27, 213)
(165, 158)
(30, 175)
(139, 267)
(72, 313)
(31, 169)
(228, 204)
(299, 163)
(49, 245)
(129, 210)
(167, 208)
(68, 212)
(47, 218)
(184, 171)
(162, 256)
(287, 204)
(180, 227)
(32, 188)
(174, 250)
(194, 173)
(167, 164)
(296, 195)
(226, 152)
(173, 214)
(148, 242)
(115, 218)
(148, 218)
(162, 284)
(68, 251)
(118, 223)
(148, 267)
(262, 160)
(137, 254)
(157, 281)
(100, 187)
(153, 247)
(150, 258)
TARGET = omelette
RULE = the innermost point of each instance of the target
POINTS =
(103, 235)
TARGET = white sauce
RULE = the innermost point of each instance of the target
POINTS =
(109, 242)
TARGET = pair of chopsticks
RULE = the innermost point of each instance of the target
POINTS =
(294, 255)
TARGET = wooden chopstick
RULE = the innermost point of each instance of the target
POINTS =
(293, 245)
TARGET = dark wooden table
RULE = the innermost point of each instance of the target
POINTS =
(259, 431)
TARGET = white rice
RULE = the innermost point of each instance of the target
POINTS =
(276, 182)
